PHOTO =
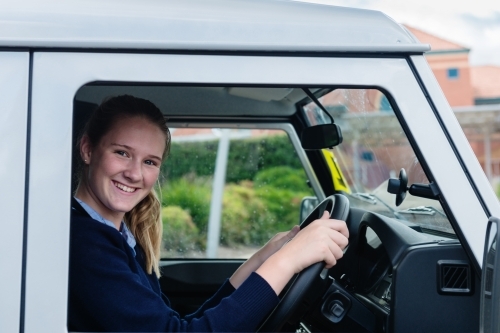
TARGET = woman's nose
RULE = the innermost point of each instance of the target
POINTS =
(133, 172)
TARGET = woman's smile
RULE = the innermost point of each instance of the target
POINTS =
(124, 188)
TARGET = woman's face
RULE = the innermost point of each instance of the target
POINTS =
(122, 168)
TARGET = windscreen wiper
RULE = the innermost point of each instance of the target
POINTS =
(422, 210)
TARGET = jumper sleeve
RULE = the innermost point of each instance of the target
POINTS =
(224, 291)
(108, 293)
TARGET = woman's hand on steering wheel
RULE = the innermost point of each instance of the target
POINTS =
(322, 240)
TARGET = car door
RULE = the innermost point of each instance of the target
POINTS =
(14, 130)
(52, 103)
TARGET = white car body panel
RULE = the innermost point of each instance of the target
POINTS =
(14, 70)
(201, 25)
(50, 165)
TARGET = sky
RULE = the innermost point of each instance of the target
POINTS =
(474, 24)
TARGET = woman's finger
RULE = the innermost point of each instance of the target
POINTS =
(330, 259)
(335, 245)
(293, 232)
(325, 216)
(337, 225)
(341, 240)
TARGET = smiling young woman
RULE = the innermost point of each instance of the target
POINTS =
(116, 234)
(122, 147)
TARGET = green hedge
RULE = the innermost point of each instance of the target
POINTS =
(246, 158)
(246, 219)
(193, 195)
(253, 211)
(282, 189)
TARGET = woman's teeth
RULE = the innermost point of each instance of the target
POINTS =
(124, 188)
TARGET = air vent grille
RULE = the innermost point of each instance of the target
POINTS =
(454, 277)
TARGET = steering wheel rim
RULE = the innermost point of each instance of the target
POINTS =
(313, 279)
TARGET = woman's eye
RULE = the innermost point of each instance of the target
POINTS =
(121, 153)
(149, 162)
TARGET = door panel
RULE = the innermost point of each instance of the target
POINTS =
(14, 80)
(189, 283)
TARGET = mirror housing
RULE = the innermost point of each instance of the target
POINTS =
(321, 136)
(307, 205)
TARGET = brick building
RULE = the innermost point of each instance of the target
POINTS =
(474, 94)
(450, 63)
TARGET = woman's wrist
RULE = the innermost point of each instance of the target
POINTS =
(261, 256)
(249, 266)
(277, 271)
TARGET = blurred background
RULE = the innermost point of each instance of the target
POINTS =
(465, 57)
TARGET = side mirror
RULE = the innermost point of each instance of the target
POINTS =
(489, 321)
(321, 136)
(307, 206)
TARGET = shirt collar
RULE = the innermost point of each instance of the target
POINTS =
(124, 230)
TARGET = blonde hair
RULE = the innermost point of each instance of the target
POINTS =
(144, 220)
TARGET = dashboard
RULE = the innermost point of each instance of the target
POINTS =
(388, 278)
(375, 270)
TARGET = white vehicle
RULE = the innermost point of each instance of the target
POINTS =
(243, 66)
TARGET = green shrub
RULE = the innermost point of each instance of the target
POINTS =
(179, 232)
(252, 211)
(283, 204)
(283, 177)
(193, 195)
(245, 218)
(282, 189)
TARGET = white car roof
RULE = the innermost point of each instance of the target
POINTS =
(203, 25)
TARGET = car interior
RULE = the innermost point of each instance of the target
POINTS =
(404, 269)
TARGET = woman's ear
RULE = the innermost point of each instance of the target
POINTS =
(85, 149)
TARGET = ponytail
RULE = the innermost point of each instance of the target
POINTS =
(144, 221)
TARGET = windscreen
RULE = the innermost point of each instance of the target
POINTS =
(374, 149)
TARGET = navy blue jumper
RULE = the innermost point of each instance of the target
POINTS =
(110, 290)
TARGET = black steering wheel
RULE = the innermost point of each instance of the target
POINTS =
(312, 281)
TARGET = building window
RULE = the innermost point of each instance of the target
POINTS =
(453, 73)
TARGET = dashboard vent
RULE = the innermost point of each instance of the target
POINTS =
(454, 277)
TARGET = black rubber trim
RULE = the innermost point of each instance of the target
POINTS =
(271, 53)
(26, 197)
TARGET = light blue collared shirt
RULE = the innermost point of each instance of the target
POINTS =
(124, 230)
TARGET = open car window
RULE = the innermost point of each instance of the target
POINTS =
(374, 149)
(226, 192)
